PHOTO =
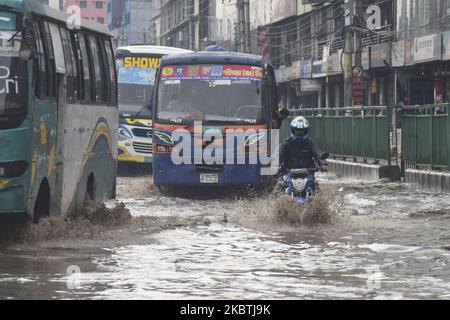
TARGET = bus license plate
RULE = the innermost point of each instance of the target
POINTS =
(209, 178)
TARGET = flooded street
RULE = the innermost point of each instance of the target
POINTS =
(387, 241)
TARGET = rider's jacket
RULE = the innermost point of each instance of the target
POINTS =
(300, 154)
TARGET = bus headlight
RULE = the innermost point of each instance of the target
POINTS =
(124, 134)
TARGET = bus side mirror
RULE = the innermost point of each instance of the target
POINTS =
(28, 40)
(325, 156)
(149, 106)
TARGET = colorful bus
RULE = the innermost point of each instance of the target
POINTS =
(215, 93)
(58, 111)
(136, 79)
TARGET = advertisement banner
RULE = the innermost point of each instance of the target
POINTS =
(318, 70)
(427, 48)
(287, 73)
(365, 58)
(398, 53)
(138, 70)
(212, 72)
(334, 64)
(409, 54)
(296, 70)
(446, 45)
(306, 69)
(380, 55)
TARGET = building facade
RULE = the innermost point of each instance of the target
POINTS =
(188, 24)
(95, 10)
(55, 4)
(115, 12)
(422, 51)
(137, 25)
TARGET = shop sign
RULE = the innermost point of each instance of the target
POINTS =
(409, 54)
(446, 46)
(358, 90)
(427, 48)
(365, 58)
(398, 54)
(287, 74)
(380, 53)
(309, 85)
(334, 64)
(306, 68)
(318, 71)
(296, 70)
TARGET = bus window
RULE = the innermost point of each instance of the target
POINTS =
(112, 71)
(41, 77)
(95, 53)
(58, 49)
(105, 71)
(86, 62)
(48, 47)
(71, 66)
(13, 86)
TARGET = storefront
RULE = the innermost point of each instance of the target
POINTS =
(379, 82)
(307, 91)
(444, 86)
(422, 77)
(335, 81)
(319, 74)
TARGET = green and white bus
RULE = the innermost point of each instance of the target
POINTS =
(58, 111)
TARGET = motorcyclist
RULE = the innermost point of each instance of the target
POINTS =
(299, 151)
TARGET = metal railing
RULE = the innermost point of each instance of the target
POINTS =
(426, 137)
(352, 133)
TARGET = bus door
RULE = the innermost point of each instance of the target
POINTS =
(44, 120)
(59, 42)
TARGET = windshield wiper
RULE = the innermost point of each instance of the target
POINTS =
(14, 35)
(137, 114)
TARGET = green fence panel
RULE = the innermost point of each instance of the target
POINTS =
(348, 136)
(383, 146)
(339, 132)
(409, 139)
(425, 138)
(440, 151)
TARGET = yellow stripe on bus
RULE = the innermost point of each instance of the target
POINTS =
(3, 183)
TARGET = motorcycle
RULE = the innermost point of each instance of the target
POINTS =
(299, 183)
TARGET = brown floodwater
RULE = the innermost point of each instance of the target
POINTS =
(378, 241)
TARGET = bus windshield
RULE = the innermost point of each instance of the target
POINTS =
(229, 94)
(12, 69)
(136, 82)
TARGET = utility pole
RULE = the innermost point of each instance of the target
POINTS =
(352, 49)
(358, 34)
(247, 25)
(240, 5)
(348, 53)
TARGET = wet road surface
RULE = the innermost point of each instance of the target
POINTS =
(388, 241)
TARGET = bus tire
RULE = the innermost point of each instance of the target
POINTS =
(163, 189)
(89, 195)
(42, 204)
